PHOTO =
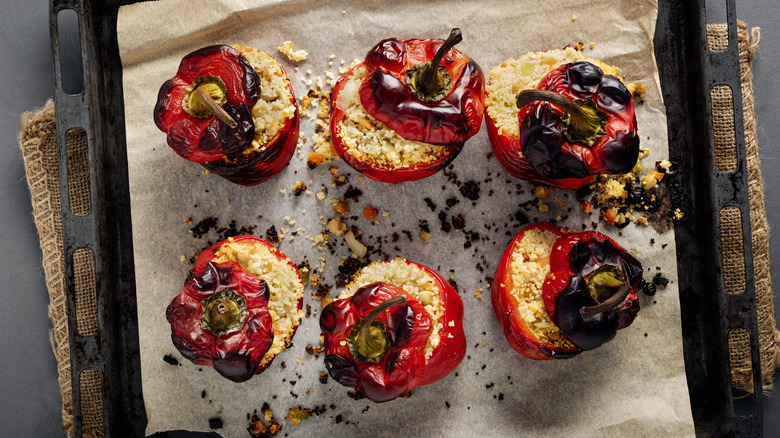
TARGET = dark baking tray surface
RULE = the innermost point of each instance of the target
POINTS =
(687, 69)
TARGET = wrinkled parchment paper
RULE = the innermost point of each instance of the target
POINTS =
(633, 386)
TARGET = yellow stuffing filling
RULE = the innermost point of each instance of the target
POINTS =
(275, 105)
(529, 266)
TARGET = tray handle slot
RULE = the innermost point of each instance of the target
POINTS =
(71, 68)
(722, 100)
(86, 295)
(79, 196)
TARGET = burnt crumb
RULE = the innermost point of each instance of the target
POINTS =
(215, 423)
(365, 409)
(660, 280)
(299, 188)
(408, 234)
(451, 202)
(521, 218)
(203, 394)
(445, 224)
(453, 283)
(354, 395)
(170, 360)
(347, 269)
(339, 181)
(323, 377)
(490, 385)
(500, 396)
(429, 202)
(423, 224)
(649, 289)
(458, 222)
(272, 234)
(353, 193)
(470, 190)
(204, 226)
(339, 418)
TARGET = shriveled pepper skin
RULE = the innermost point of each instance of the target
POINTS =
(208, 255)
(572, 265)
(237, 354)
(403, 367)
(545, 155)
(505, 305)
(206, 139)
(385, 95)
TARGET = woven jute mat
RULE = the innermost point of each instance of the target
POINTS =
(38, 141)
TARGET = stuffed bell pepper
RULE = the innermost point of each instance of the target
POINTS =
(556, 293)
(405, 112)
(396, 326)
(240, 307)
(232, 110)
(558, 118)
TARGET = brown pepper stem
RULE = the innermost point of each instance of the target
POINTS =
(588, 312)
(217, 110)
(428, 80)
(368, 341)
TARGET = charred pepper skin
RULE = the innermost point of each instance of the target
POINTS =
(209, 138)
(574, 264)
(386, 95)
(209, 254)
(234, 349)
(505, 305)
(408, 326)
(547, 153)
(209, 141)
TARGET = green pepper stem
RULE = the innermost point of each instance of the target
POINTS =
(367, 345)
(586, 122)
(217, 110)
(428, 81)
(588, 312)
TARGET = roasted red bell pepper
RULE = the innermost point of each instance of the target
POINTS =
(424, 90)
(517, 329)
(221, 319)
(591, 290)
(206, 110)
(374, 339)
(576, 124)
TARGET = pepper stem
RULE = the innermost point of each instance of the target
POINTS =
(428, 81)
(368, 340)
(585, 123)
(205, 98)
(608, 288)
(224, 312)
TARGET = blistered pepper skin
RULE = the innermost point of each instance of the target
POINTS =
(542, 154)
(201, 140)
(565, 291)
(505, 305)
(386, 96)
(235, 355)
(403, 367)
(208, 255)
(209, 141)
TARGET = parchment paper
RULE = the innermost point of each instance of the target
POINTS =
(632, 386)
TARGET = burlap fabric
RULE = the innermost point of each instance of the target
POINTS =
(39, 149)
(38, 141)
(733, 253)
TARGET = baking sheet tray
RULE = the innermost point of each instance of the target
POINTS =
(135, 402)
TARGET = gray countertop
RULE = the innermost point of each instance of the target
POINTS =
(31, 402)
